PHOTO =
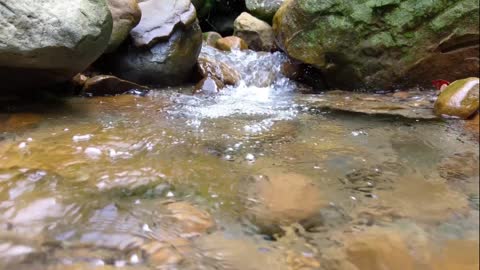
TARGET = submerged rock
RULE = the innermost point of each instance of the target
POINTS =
(126, 15)
(48, 42)
(264, 9)
(417, 106)
(283, 199)
(165, 45)
(381, 44)
(459, 99)
(219, 70)
(256, 33)
(191, 220)
(231, 44)
(211, 38)
(109, 85)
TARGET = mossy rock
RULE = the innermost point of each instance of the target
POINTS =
(382, 43)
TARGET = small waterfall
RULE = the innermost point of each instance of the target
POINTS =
(264, 94)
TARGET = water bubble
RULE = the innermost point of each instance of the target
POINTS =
(93, 152)
(250, 157)
(82, 138)
(134, 259)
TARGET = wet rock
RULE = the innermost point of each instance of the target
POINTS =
(256, 33)
(219, 70)
(192, 220)
(420, 199)
(231, 43)
(413, 42)
(473, 126)
(264, 9)
(20, 121)
(209, 85)
(164, 46)
(459, 99)
(232, 253)
(379, 249)
(167, 253)
(79, 80)
(109, 85)
(50, 41)
(461, 170)
(126, 15)
(211, 38)
(417, 106)
(281, 199)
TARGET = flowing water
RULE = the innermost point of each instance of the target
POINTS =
(168, 180)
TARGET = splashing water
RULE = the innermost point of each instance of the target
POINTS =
(263, 92)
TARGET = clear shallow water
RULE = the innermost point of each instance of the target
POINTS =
(88, 184)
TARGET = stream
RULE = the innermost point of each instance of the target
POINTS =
(171, 180)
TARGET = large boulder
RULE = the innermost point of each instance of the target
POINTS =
(257, 33)
(126, 15)
(264, 9)
(381, 44)
(165, 44)
(47, 42)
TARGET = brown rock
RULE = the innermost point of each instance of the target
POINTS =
(211, 38)
(231, 43)
(126, 15)
(256, 33)
(109, 85)
(473, 125)
(166, 253)
(192, 220)
(209, 85)
(219, 70)
(19, 121)
(379, 250)
(282, 199)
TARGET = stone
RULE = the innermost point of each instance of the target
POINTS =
(231, 44)
(211, 38)
(160, 18)
(282, 199)
(193, 221)
(49, 41)
(264, 9)
(126, 15)
(381, 44)
(219, 70)
(459, 99)
(21, 121)
(109, 85)
(417, 106)
(165, 45)
(256, 33)
(208, 85)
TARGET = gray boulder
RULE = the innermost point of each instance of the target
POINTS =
(49, 41)
(165, 44)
